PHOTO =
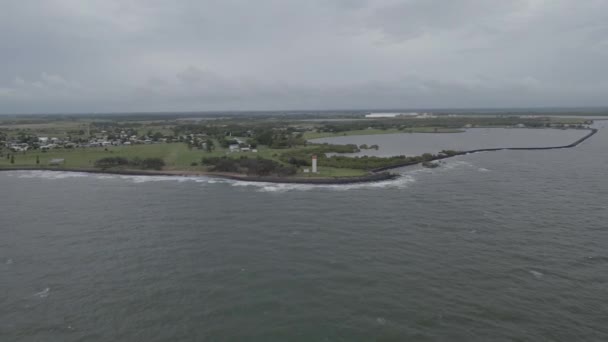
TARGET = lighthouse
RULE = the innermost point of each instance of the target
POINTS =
(314, 164)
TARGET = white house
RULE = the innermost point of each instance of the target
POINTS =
(234, 148)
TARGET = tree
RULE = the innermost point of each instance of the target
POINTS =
(209, 144)
(153, 163)
(12, 159)
(37, 160)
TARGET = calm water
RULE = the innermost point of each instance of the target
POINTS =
(491, 247)
(418, 143)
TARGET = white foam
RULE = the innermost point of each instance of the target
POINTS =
(401, 182)
(452, 164)
(49, 174)
(9, 261)
(102, 176)
(536, 274)
(482, 169)
(43, 294)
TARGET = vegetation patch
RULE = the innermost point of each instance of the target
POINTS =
(137, 163)
(249, 166)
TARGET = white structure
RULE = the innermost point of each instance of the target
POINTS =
(388, 115)
(314, 164)
(57, 161)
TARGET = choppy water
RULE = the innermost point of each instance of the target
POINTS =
(497, 246)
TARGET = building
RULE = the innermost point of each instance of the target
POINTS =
(388, 115)
(314, 164)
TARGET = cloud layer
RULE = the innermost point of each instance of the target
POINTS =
(153, 55)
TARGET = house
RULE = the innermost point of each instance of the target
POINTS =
(43, 140)
(19, 147)
(234, 148)
(245, 149)
(48, 147)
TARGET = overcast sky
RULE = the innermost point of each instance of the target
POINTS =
(180, 55)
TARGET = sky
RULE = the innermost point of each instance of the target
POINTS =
(69, 56)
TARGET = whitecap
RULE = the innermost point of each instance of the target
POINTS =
(482, 169)
(401, 182)
(9, 261)
(50, 174)
(43, 294)
(536, 274)
(452, 164)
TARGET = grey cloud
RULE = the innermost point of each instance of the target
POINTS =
(119, 55)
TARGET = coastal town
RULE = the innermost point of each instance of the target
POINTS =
(272, 145)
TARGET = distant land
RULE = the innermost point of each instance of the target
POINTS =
(265, 146)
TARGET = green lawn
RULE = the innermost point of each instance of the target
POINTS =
(317, 135)
(333, 172)
(177, 156)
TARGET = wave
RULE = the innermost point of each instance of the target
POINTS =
(406, 178)
(401, 182)
(55, 175)
(48, 174)
(43, 294)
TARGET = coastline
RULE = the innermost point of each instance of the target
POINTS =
(592, 132)
(374, 175)
(371, 177)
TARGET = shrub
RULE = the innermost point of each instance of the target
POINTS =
(148, 163)
(111, 162)
(153, 163)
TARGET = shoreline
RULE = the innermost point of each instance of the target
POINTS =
(374, 175)
(371, 177)
(592, 132)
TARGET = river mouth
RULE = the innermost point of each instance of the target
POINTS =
(412, 144)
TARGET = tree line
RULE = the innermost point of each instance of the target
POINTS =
(147, 163)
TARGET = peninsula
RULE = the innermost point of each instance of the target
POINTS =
(270, 147)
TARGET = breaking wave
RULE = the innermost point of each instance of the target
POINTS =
(53, 175)
(43, 294)
(407, 176)
(401, 182)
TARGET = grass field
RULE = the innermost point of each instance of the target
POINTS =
(177, 156)
(317, 135)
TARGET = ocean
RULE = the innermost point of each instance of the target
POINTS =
(497, 246)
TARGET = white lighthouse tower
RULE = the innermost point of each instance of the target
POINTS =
(314, 164)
